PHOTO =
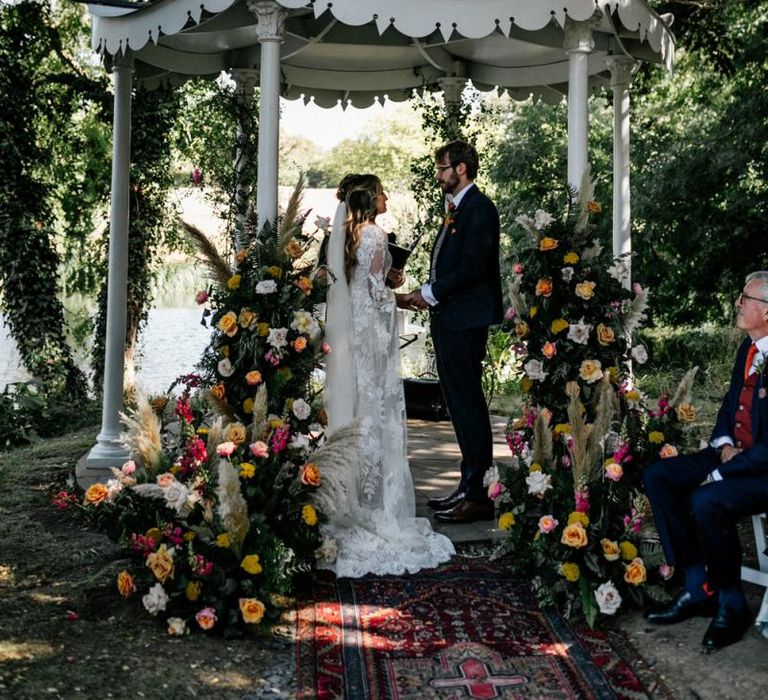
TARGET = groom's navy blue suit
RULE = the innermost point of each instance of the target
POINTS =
(686, 511)
(467, 286)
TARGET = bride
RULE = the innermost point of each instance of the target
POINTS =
(375, 530)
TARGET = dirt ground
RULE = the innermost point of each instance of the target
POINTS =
(65, 633)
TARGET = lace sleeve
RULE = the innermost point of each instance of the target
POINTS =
(377, 262)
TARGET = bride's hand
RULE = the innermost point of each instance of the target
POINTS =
(396, 277)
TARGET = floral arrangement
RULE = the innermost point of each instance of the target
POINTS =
(218, 509)
(571, 504)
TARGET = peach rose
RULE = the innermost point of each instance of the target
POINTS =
(585, 290)
(574, 535)
(259, 449)
(161, 563)
(125, 584)
(293, 249)
(605, 335)
(548, 243)
(304, 284)
(300, 344)
(668, 451)
(610, 549)
(218, 391)
(165, 479)
(544, 287)
(613, 471)
(310, 474)
(96, 494)
(547, 523)
(253, 377)
(549, 350)
(634, 572)
(252, 610)
(206, 618)
(225, 449)
(247, 318)
(228, 323)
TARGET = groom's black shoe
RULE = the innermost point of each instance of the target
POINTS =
(682, 607)
(728, 626)
(466, 512)
(447, 502)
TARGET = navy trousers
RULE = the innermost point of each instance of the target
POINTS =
(697, 523)
(459, 356)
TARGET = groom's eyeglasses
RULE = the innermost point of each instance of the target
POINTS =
(442, 168)
(744, 296)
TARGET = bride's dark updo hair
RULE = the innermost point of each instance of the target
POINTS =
(361, 194)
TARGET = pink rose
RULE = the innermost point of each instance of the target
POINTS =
(165, 479)
(666, 571)
(259, 449)
(128, 468)
(225, 449)
(495, 490)
(668, 451)
(202, 296)
(518, 268)
(549, 350)
(326, 348)
(510, 314)
(547, 523)
(206, 618)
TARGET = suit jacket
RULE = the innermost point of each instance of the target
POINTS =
(752, 461)
(467, 282)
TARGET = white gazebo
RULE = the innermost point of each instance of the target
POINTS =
(355, 52)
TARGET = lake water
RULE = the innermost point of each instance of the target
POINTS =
(171, 345)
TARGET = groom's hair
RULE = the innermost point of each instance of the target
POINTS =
(460, 152)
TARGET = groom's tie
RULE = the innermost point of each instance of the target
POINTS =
(439, 244)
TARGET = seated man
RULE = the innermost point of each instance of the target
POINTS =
(701, 497)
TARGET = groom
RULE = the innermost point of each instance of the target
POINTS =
(463, 295)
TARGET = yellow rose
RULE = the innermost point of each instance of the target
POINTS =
(310, 474)
(526, 383)
(559, 324)
(535, 467)
(668, 451)
(594, 207)
(571, 258)
(224, 540)
(237, 433)
(263, 329)
(634, 572)
(656, 437)
(506, 520)
(610, 549)
(275, 272)
(521, 329)
(125, 584)
(96, 493)
(605, 335)
(562, 428)
(686, 413)
(578, 517)
(575, 535)
(544, 287)
(251, 564)
(248, 406)
(252, 610)
(228, 323)
(309, 515)
(247, 470)
(161, 563)
(192, 591)
(234, 282)
(632, 395)
(247, 318)
(533, 311)
(628, 550)
(585, 290)
(547, 243)
(570, 571)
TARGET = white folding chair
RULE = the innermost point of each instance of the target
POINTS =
(759, 576)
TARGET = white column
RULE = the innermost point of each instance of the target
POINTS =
(246, 80)
(452, 87)
(621, 69)
(578, 44)
(269, 32)
(108, 450)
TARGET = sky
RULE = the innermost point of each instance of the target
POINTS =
(326, 127)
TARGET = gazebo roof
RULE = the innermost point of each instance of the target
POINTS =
(355, 51)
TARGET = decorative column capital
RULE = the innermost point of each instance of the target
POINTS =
(578, 35)
(452, 87)
(122, 59)
(271, 20)
(622, 69)
(246, 79)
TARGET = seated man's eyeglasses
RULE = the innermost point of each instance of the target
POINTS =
(744, 296)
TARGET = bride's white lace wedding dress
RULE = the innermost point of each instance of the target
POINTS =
(376, 530)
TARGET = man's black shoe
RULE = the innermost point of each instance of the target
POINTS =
(447, 502)
(466, 512)
(728, 626)
(682, 607)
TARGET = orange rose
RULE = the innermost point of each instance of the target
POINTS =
(97, 493)
(300, 344)
(304, 284)
(125, 584)
(585, 290)
(161, 563)
(634, 572)
(605, 335)
(310, 474)
(594, 207)
(218, 391)
(544, 287)
(252, 610)
(253, 378)
(547, 243)
(228, 323)
(574, 535)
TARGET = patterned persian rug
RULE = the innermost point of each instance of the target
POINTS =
(464, 630)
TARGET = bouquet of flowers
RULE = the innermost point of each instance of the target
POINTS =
(571, 504)
(219, 508)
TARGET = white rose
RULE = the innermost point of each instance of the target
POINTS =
(114, 486)
(639, 354)
(491, 476)
(579, 332)
(535, 370)
(266, 287)
(608, 598)
(177, 626)
(305, 322)
(591, 371)
(176, 495)
(278, 337)
(225, 367)
(538, 483)
(301, 409)
(156, 599)
(567, 274)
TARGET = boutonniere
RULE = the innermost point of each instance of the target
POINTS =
(759, 366)
(450, 217)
